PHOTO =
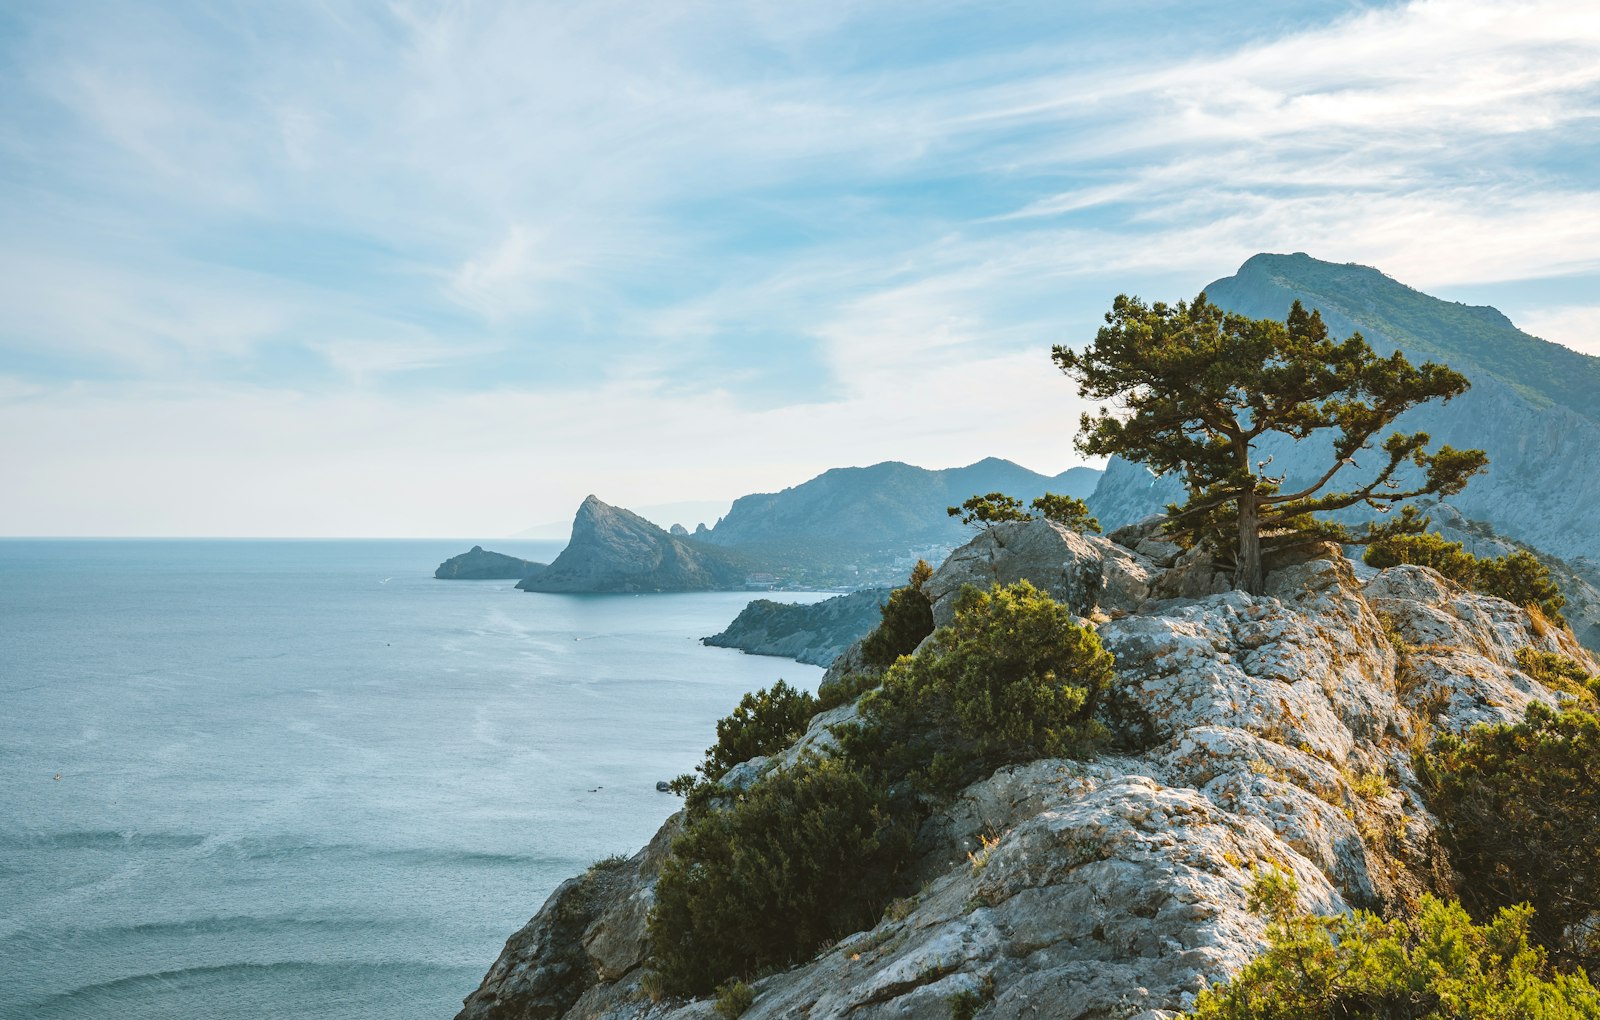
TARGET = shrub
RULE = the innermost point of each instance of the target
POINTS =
(845, 689)
(768, 720)
(1517, 577)
(968, 1002)
(1517, 805)
(1521, 579)
(997, 508)
(1560, 673)
(733, 999)
(1011, 679)
(1426, 550)
(1068, 510)
(907, 619)
(1438, 964)
(808, 854)
(988, 510)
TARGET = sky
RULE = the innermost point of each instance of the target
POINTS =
(312, 268)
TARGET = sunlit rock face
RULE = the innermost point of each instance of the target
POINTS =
(1248, 732)
(616, 550)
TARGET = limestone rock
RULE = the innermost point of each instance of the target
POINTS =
(1460, 667)
(1087, 573)
(1252, 732)
(845, 672)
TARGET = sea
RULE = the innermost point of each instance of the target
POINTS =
(290, 779)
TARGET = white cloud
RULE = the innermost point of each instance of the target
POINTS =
(1574, 326)
(509, 186)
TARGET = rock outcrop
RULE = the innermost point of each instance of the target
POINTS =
(1250, 732)
(478, 564)
(815, 634)
(615, 550)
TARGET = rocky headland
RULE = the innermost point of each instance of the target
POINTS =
(479, 564)
(1248, 733)
(815, 634)
(615, 550)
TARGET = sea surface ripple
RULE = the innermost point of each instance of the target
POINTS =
(281, 779)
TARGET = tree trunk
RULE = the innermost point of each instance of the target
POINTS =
(1247, 575)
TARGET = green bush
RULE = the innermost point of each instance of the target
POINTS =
(1518, 806)
(1425, 550)
(766, 721)
(1560, 673)
(1068, 510)
(1436, 965)
(733, 999)
(1517, 577)
(1521, 579)
(1013, 678)
(806, 855)
(907, 619)
(997, 508)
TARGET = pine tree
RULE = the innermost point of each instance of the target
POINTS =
(1197, 388)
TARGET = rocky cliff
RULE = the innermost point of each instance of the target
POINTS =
(814, 634)
(478, 564)
(614, 550)
(1253, 732)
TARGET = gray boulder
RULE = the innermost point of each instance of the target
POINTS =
(1087, 573)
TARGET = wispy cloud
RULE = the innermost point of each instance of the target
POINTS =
(846, 231)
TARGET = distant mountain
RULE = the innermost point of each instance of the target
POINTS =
(687, 514)
(888, 506)
(615, 550)
(1534, 406)
(478, 564)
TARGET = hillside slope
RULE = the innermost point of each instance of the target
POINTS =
(1252, 728)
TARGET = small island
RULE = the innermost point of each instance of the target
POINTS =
(479, 564)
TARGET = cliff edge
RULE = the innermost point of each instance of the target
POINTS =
(1249, 732)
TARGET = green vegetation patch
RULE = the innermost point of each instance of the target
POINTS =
(810, 853)
(763, 877)
(994, 508)
(1517, 577)
(1518, 806)
(1013, 678)
(907, 619)
(1437, 964)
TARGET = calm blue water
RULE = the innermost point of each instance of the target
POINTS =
(294, 779)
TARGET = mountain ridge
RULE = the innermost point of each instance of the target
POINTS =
(1537, 488)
